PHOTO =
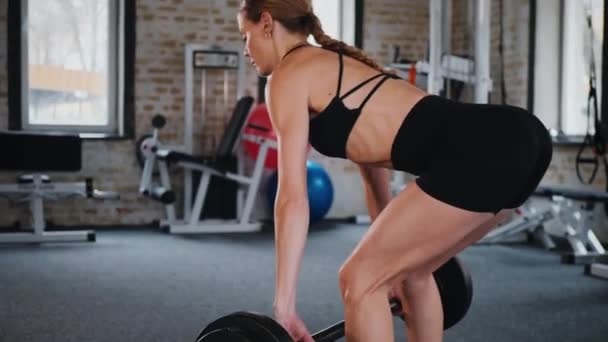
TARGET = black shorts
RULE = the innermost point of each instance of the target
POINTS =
(477, 157)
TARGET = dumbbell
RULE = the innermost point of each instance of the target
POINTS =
(455, 289)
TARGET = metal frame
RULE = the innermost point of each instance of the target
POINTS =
(189, 67)
(442, 65)
(34, 193)
(483, 82)
(528, 224)
(576, 221)
(191, 223)
(435, 78)
(574, 211)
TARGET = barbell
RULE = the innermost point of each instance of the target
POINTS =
(452, 278)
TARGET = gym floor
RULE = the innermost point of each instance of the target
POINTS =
(147, 286)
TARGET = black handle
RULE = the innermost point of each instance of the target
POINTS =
(331, 333)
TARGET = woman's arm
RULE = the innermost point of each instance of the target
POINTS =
(376, 183)
(288, 107)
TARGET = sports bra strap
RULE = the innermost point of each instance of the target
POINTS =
(373, 91)
(360, 85)
(340, 73)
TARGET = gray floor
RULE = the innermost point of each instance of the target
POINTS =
(144, 285)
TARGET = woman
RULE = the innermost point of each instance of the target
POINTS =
(475, 163)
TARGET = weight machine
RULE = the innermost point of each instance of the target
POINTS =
(528, 223)
(226, 59)
(442, 65)
(573, 212)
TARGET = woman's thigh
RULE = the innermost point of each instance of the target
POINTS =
(415, 232)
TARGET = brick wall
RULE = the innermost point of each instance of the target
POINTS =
(390, 23)
(164, 27)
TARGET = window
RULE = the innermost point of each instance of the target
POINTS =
(564, 45)
(338, 19)
(73, 73)
(579, 43)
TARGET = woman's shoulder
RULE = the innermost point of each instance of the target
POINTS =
(303, 66)
(307, 60)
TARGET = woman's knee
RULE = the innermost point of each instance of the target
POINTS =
(355, 283)
(347, 277)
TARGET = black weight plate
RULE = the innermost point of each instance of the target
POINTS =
(272, 327)
(249, 325)
(223, 335)
(456, 291)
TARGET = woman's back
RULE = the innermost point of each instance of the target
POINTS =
(372, 135)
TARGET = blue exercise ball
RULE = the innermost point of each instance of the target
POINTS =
(320, 190)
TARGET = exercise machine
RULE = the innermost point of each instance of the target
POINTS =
(574, 209)
(452, 278)
(441, 64)
(573, 212)
(202, 59)
(39, 153)
(527, 225)
(217, 166)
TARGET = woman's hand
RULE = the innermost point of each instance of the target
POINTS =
(292, 323)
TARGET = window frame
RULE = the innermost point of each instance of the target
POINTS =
(121, 106)
(565, 139)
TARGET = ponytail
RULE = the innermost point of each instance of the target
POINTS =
(327, 42)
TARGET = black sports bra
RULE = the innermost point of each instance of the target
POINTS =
(329, 130)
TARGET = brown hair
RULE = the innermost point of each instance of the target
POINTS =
(297, 16)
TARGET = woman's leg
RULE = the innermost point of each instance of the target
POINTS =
(418, 293)
(409, 237)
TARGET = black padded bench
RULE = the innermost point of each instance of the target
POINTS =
(39, 153)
